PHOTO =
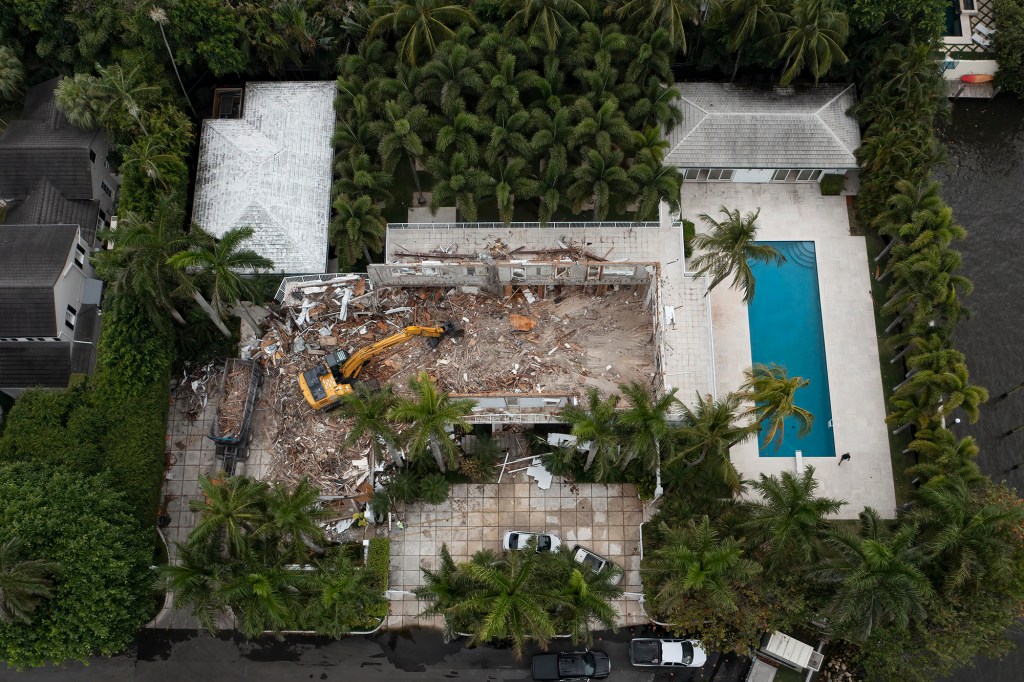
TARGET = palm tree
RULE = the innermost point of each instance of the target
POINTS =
(150, 157)
(814, 39)
(728, 248)
(294, 516)
(504, 85)
(368, 411)
(652, 59)
(357, 228)
(430, 415)
(875, 577)
(399, 135)
(459, 135)
(422, 24)
(656, 106)
(449, 77)
(23, 582)
(135, 270)
(357, 176)
(264, 597)
(789, 519)
(553, 21)
(76, 99)
(696, 562)
(552, 187)
(602, 129)
(585, 597)
(509, 139)
(773, 394)
(457, 182)
(230, 511)
(752, 18)
(645, 425)
(196, 580)
(509, 603)
(671, 16)
(342, 597)
(117, 90)
(708, 432)
(446, 589)
(159, 17)
(601, 180)
(968, 537)
(12, 73)
(596, 425)
(941, 455)
(655, 182)
(512, 180)
(220, 260)
(553, 125)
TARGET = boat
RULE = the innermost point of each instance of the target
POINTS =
(977, 78)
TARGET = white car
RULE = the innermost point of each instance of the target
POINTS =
(517, 539)
(595, 562)
(666, 653)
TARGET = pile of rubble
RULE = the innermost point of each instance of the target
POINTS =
(231, 410)
(532, 342)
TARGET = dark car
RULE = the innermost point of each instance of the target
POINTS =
(577, 665)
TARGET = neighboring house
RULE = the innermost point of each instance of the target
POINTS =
(52, 173)
(745, 133)
(271, 170)
(49, 306)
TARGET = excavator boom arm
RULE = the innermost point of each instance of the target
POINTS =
(354, 364)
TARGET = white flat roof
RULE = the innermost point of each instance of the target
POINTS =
(271, 170)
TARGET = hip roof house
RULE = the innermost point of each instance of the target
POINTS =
(271, 170)
(746, 133)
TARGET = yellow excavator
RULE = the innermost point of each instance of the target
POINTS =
(326, 384)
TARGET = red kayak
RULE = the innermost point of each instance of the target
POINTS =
(977, 78)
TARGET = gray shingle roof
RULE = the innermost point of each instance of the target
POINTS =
(45, 205)
(272, 170)
(31, 259)
(38, 363)
(744, 126)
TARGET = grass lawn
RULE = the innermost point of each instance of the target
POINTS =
(892, 372)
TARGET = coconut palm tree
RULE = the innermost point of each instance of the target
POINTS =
(671, 16)
(220, 260)
(136, 270)
(293, 516)
(585, 597)
(118, 91)
(398, 132)
(23, 582)
(707, 433)
(446, 589)
(12, 73)
(815, 38)
(509, 603)
(789, 520)
(450, 77)
(458, 182)
(342, 596)
(150, 157)
(421, 23)
(357, 228)
(645, 425)
(601, 180)
(230, 511)
(196, 580)
(727, 249)
(553, 21)
(368, 411)
(750, 19)
(941, 455)
(968, 537)
(875, 577)
(159, 17)
(911, 410)
(596, 425)
(696, 562)
(773, 394)
(512, 181)
(431, 415)
(265, 597)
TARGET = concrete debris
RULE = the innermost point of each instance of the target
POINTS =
(522, 323)
(194, 388)
(232, 403)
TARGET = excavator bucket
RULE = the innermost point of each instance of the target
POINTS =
(449, 330)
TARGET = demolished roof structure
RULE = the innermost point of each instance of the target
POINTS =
(271, 170)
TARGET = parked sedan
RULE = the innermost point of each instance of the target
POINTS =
(666, 653)
(595, 562)
(579, 665)
(518, 539)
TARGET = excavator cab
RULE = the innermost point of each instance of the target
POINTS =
(334, 362)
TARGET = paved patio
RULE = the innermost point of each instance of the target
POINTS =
(799, 212)
(605, 519)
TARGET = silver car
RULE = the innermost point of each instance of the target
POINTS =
(518, 539)
(595, 562)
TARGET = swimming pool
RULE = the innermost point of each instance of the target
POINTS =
(785, 329)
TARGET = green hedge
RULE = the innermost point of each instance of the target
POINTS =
(832, 184)
(1008, 43)
(378, 565)
(689, 232)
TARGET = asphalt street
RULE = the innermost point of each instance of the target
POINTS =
(414, 654)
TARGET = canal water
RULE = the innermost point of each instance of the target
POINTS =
(984, 184)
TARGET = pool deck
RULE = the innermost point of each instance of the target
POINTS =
(799, 212)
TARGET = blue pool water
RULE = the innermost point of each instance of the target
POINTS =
(785, 329)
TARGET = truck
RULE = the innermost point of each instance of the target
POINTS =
(239, 391)
(325, 385)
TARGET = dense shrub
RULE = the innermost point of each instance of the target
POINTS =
(832, 184)
(689, 232)
(378, 564)
(1009, 45)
